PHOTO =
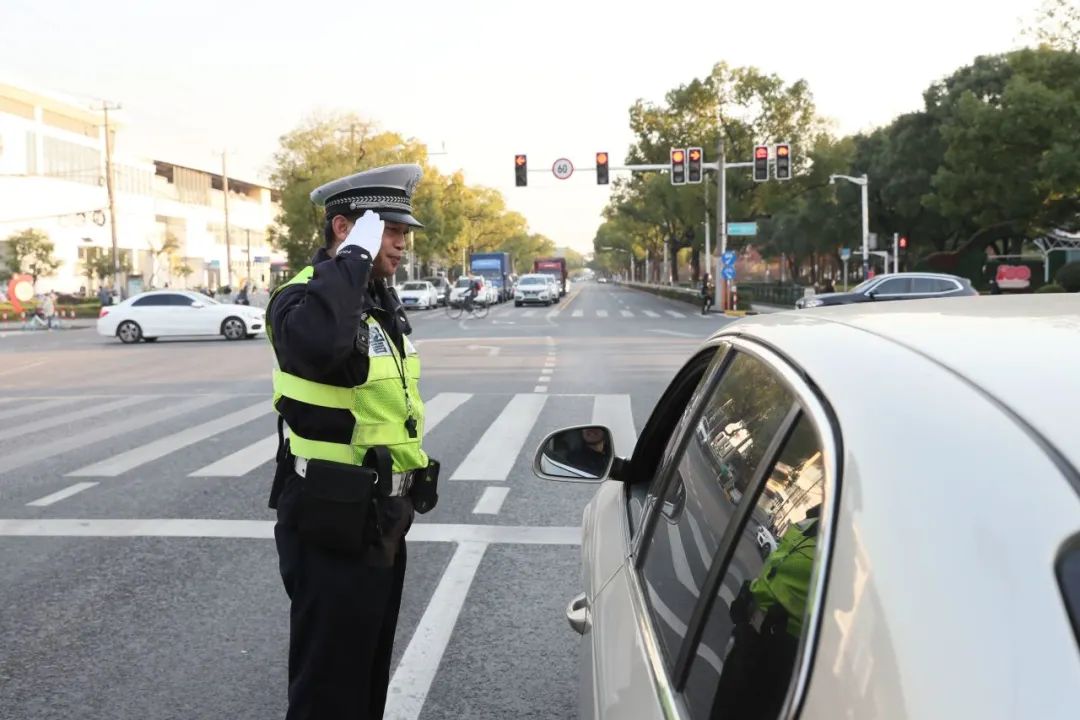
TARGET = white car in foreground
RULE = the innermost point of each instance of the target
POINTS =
(928, 533)
(178, 313)
(419, 294)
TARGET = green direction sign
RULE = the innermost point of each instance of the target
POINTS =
(742, 228)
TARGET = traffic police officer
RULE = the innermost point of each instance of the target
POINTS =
(352, 471)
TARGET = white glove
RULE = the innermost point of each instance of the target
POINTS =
(366, 234)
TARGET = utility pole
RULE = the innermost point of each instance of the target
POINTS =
(708, 240)
(110, 185)
(721, 217)
(248, 256)
(228, 243)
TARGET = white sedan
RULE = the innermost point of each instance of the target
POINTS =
(927, 560)
(419, 294)
(172, 313)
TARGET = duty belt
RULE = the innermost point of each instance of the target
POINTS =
(399, 482)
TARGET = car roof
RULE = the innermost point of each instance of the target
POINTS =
(1014, 348)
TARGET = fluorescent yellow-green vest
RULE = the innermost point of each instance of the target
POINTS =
(379, 407)
(785, 577)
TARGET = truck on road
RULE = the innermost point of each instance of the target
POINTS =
(553, 266)
(496, 269)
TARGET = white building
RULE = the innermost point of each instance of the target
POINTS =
(170, 219)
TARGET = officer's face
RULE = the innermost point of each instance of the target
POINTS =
(393, 248)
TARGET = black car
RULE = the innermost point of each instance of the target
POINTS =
(897, 286)
(443, 288)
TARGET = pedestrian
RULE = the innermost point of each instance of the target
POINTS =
(352, 471)
(706, 294)
(48, 308)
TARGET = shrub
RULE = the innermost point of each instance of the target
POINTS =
(1068, 277)
(1051, 288)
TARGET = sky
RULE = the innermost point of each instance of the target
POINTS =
(481, 80)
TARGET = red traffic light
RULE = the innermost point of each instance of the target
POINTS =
(761, 152)
(601, 158)
(677, 156)
(695, 154)
(782, 150)
(903, 242)
(519, 160)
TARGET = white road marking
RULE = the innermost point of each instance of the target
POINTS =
(546, 371)
(675, 313)
(242, 461)
(601, 313)
(415, 672)
(553, 314)
(650, 313)
(437, 408)
(125, 461)
(66, 417)
(615, 412)
(62, 494)
(679, 561)
(493, 456)
(578, 313)
(491, 501)
(98, 433)
(540, 389)
(35, 407)
(676, 333)
(21, 368)
(264, 530)
(543, 379)
(626, 313)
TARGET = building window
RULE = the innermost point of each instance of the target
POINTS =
(70, 161)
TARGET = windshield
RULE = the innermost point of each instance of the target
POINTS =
(463, 282)
(532, 281)
(415, 286)
(864, 285)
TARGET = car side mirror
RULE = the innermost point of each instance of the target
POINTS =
(583, 453)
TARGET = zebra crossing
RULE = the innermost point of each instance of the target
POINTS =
(602, 314)
(208, 436)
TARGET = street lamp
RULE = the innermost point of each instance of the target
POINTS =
(863, 181)
(631, 254)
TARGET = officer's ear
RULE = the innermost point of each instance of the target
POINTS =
(341, 225)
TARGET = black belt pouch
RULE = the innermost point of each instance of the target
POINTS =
(335, 504)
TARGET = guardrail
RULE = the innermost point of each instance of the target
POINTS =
(781, 296)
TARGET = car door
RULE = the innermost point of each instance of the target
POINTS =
(149, 312)
(696, 585)
(183, 317)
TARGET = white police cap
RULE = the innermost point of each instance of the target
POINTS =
(386, 190)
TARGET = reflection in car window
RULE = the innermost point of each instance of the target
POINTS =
(744, 662)
(925, 285)
(179, 300)
(894, 286)
(739, 420)
(149, 301)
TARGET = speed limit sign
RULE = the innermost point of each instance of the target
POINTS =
(562, 168)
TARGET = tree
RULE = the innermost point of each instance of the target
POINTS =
(1057, 25)
(164, 255)
(30, 251)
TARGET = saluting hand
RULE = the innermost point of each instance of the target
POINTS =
(366, 233)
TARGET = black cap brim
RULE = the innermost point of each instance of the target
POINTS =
(399, 217)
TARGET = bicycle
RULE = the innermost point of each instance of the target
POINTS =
(477, 308)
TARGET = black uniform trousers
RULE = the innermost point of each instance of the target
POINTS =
(343, 616)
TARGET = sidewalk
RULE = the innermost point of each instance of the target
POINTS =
(18, 326)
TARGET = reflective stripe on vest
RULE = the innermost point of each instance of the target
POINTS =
(379, 406)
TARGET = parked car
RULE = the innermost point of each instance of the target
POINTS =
(442, 286)
(556, 293)
(419, 294)
(861, 611)
(896, 286)
(534, 288)
(171, 313)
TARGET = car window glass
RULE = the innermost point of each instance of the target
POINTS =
(740, 418)
(925, 285)
(744, 661)
(894, 286)
(945, 286)
(148, 301)
(178, 300)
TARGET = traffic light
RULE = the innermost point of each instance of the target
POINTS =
(783, 161)
(903, 242)
(693, 167)
(678, 166)
(521, 169)
(761, 163)
(601, 168)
